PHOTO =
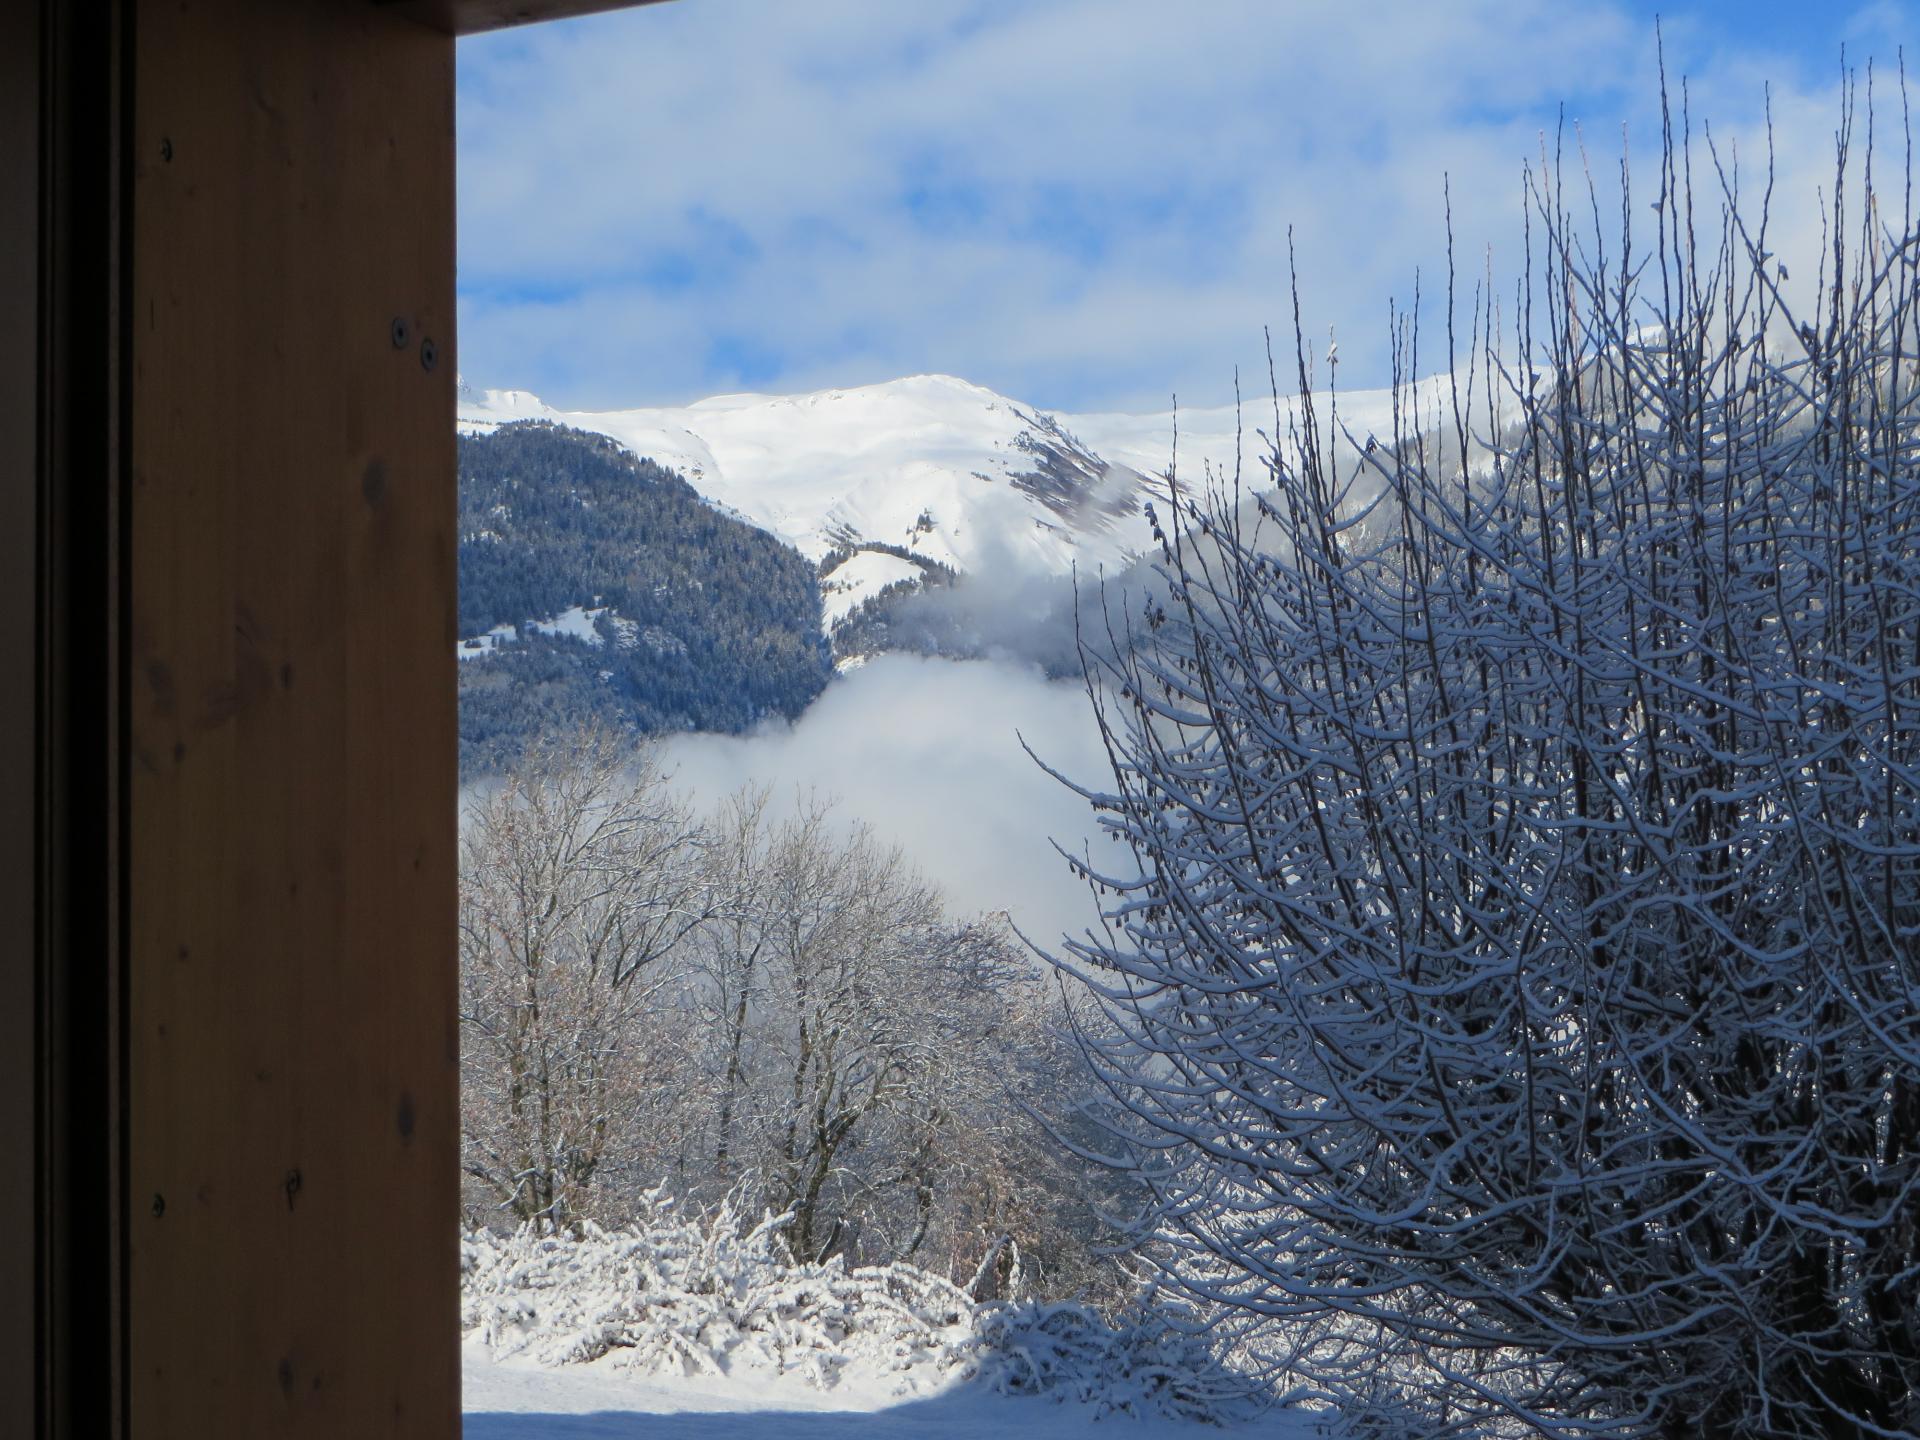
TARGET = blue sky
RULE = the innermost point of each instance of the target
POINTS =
(1082, 203)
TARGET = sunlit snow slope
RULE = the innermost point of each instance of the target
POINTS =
(880, 480)
(928, 467)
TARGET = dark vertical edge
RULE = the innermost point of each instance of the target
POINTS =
(119, 754)
(81, 472)
(19, 408)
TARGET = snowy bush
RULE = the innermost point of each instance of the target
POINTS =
(1517, 997)
(672, 1295)
(1149, 1365)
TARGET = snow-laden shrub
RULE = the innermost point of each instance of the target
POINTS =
(1148, 1365)
(672, 1294)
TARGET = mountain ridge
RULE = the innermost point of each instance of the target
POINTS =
(883, 484)
(934, 508)
(862, 465)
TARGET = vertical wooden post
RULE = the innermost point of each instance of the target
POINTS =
(291, 869)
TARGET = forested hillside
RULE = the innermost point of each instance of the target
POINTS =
(595, 586)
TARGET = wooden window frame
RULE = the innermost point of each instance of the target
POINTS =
(226, 441)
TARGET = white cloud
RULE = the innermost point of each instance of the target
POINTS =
(928, 753)
(1085, 203)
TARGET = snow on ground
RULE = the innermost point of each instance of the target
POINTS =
(575, 621)
(478, 647)
(859, 578)
(519, 1400)
(703, 1326)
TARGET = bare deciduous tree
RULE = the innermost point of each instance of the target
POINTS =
(764, 1006)
(822, 974)
(1520, 986)
(864, 1059)
(577, 876)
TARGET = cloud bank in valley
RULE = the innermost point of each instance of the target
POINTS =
(928, 753)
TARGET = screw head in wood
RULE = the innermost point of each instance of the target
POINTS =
(166, 150)
(429, 354)
(401, 332)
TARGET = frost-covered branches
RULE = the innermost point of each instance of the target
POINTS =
(1521, 988)
(761, 1003)
(863, 1055)
(576, 877)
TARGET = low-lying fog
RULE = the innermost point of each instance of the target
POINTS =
(928, 753)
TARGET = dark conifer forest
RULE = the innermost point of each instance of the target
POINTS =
(704, 622)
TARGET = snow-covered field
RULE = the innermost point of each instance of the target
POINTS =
(521, 1400)
(707, 1327)
(861, 577)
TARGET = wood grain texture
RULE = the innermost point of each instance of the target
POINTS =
(293, 1264)
(471, 17)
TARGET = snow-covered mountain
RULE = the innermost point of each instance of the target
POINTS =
(885, 481)
(882, 485)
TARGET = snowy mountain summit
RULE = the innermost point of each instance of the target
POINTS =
(884, 485)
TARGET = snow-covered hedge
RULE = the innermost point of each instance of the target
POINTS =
(719, 1295)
